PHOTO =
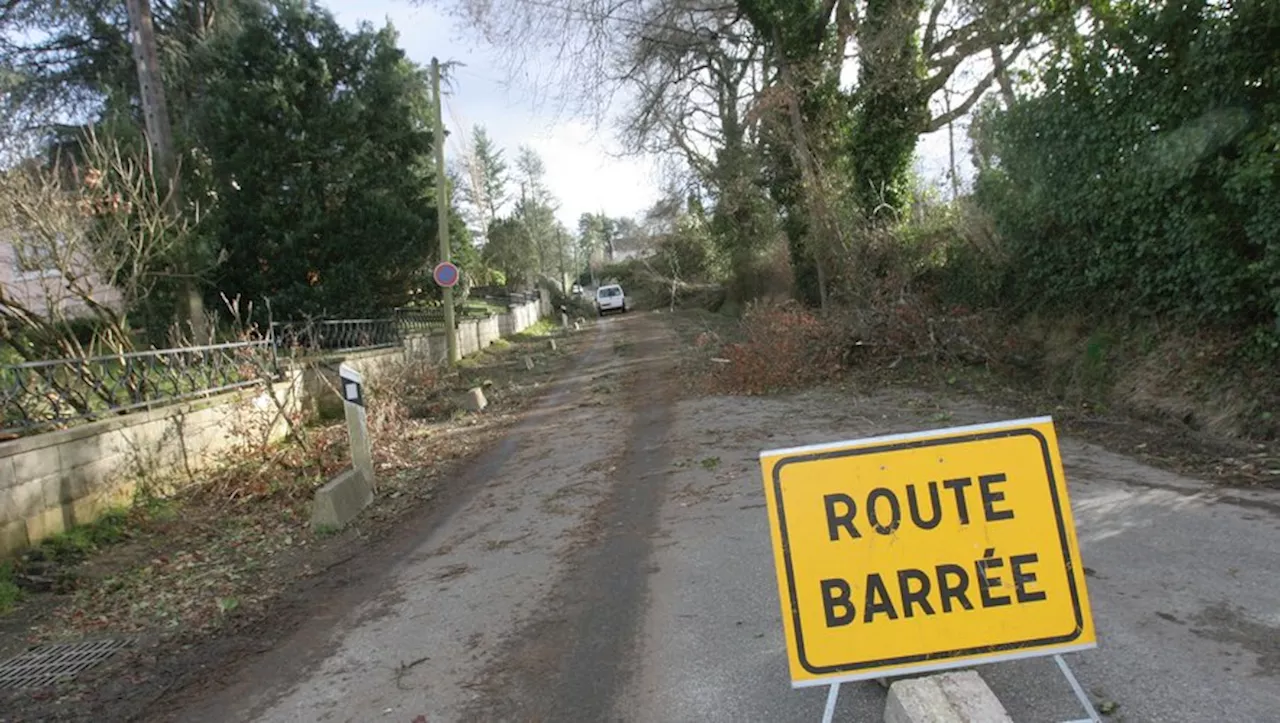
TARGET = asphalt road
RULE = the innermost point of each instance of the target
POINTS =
(613, 563)
(1182, 583)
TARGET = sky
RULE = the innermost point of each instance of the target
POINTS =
(584, 168)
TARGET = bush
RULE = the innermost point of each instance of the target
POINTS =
(1144, 181)
(785, 346)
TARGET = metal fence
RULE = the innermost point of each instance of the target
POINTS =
(338, 335)
(56, 392)
(502, 297)
(41, 394)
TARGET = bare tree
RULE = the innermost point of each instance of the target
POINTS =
(105, 235)
(580, 38)
(483, 173)
(704, 75)
(592, 43)
(693, 75)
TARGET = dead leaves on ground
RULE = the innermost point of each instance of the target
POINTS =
(228, 545)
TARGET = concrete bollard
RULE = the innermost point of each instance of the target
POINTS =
(475, 400)
(357, 422)
(564, 321)
(340, 500)
(957, 697)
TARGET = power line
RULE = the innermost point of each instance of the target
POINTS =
(459, 141)
(463, 70)
(599, 16)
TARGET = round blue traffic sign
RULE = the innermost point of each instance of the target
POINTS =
(445, 274)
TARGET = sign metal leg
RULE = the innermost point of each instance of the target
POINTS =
(829, 713)
(1079, 691)
(833, 694)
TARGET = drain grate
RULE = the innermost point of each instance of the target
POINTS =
(48, 664)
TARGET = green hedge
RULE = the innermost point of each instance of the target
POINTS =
(1145, 178)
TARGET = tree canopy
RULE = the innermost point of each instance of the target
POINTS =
(320, 148)
(1144, 176)
(1127, 150)
(306, 148)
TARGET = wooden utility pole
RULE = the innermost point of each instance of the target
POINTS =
(155, 112)
(442, 211)
(155, 109)
(951, 144)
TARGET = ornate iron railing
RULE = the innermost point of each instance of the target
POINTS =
(57, 392)
(413, 321)
(502, 297)
(336, 334)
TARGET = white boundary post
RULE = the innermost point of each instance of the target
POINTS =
(353, 401)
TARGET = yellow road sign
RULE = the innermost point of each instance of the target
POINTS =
(925, 551)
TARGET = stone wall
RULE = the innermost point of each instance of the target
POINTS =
(468, 339)
(487, 331)
(320, 381)
(523, 317)
(53, 481)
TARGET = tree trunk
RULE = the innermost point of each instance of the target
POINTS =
(155, 111)
(893, 109)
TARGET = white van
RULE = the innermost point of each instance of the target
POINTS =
(610, 298)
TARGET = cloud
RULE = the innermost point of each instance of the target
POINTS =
(581, 172)
(586, 179)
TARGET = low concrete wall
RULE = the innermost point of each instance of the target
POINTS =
(320, 381)
(417, 346)
(523, 317)
(53, 481)
(438, 349)
(468, 339)
(544, 303)
(487, 331)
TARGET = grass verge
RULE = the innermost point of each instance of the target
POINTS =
(10, 593)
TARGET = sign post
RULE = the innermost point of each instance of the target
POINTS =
(923, 552)
(352, 388)
(446, 276)
(442, 215)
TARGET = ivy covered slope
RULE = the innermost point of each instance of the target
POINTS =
(1145, 177)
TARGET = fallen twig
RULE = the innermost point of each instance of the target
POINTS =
(406, 667)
